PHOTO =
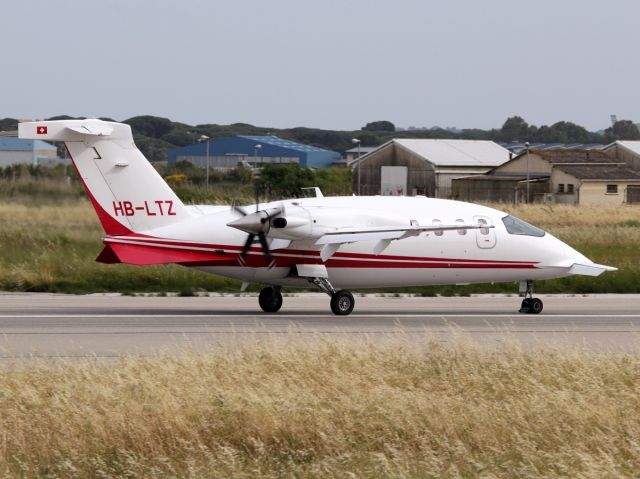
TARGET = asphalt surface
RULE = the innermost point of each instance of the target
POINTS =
(105, 326)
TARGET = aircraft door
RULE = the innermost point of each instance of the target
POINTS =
(485, 237)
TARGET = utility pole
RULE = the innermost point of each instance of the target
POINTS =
(356, 141)
(526, 145)
(201, 139)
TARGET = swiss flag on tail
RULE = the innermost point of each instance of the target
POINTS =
(41, 130)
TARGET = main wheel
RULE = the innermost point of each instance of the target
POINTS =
(270, 300)
(342, 303)
(535, 306)
(525, 307)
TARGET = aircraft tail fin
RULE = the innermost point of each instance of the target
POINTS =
(127, 192)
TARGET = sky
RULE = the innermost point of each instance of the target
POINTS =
(334, 64)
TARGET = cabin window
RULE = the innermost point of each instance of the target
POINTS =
(461, 231)
(437, 223)
(484, 231)
(561, 188)
(612, 189)
(516, 226)
(570, 188)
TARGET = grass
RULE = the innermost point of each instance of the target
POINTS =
(325, 408)
(51, 246)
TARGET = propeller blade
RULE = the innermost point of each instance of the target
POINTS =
(247, 245)
(239, 210)
(266, 250)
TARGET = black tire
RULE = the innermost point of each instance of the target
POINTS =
(525, 307)
(270, 300)
(342, 303)
(535, 306)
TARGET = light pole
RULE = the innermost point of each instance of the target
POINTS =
(201, 139)
(526, 145)
(356, 141)
(256, 149)
(257, 172)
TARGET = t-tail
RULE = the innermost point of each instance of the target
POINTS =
(127, 192)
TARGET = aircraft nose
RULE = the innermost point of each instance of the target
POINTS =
(564, 256)
(561, 252)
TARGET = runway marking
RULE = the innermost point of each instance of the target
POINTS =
(400, 329)
(266, 316)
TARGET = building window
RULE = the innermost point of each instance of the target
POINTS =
(561, 188)
(612, 189)
(570, 188)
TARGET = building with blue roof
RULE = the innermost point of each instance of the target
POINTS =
(227, 152)
(14, 151)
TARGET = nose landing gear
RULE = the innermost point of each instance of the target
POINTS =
(342, 302)
(530, 305)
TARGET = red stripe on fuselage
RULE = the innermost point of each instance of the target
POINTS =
(291, 257)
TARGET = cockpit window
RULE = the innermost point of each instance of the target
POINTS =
(516, 226)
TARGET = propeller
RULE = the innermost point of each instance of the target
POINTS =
(255, 224)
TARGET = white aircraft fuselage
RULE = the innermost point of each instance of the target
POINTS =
(449, 257)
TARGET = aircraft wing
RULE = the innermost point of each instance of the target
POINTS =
(383, 234)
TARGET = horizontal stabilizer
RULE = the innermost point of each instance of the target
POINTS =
(72, 130)
(92, 129)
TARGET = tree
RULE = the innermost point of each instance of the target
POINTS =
(153, 126)
(622, 130)
(516, 129)
(379, 126)
(563, 132)
(284, 180)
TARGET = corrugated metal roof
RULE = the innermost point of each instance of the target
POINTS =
(363, 149)
(518, 148)
(457, 152)
(600, 172)
(572, 155)
(274, 140)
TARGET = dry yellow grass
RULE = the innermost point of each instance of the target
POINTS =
(327, 409)
(564, 215)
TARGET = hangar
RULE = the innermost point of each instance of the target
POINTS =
(228, 152)
(423, 166)
(15, 151)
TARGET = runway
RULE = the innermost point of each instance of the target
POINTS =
(105, 326)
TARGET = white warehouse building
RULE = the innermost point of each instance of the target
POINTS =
(412, 167)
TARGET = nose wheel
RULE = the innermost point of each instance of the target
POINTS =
(530, 305)
(342, 302)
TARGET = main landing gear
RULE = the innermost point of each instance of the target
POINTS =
(270, 299)
(530, 305)
(342, 301)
